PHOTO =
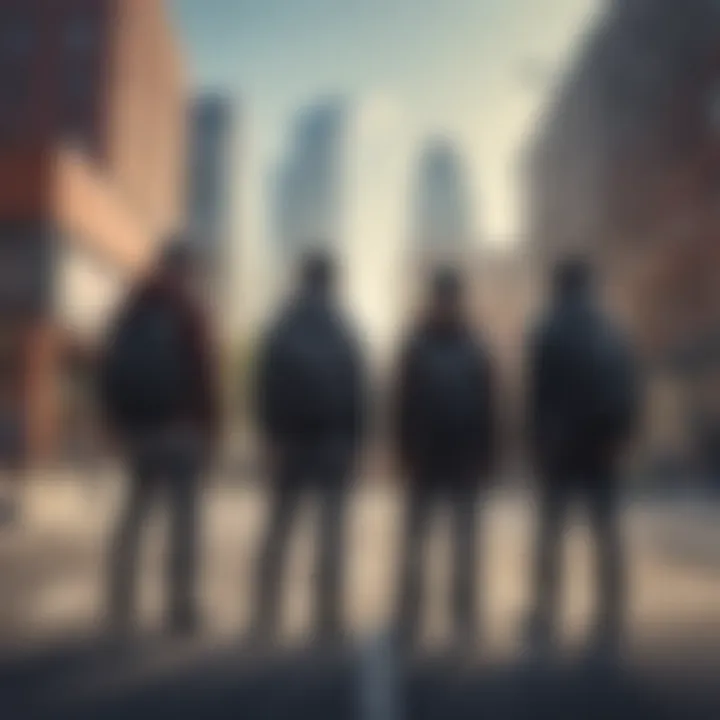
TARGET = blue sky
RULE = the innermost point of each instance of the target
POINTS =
(460, 66)
(477, 70)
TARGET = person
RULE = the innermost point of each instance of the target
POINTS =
(158, 389)
(311, 413)
(444, 438)
(583, 406)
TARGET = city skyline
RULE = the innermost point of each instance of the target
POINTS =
(309, 186)
(442, 215)
(477, 71)
(212, 175)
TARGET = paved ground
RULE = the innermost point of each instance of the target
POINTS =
(52, 586)
(153, 680)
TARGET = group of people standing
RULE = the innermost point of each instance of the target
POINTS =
(313, 405)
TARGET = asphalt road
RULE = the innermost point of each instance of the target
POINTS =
(52, 569)
(154, 680)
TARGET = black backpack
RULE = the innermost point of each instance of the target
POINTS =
(596, 383)
(312, 379)
(449, 390)
(148, 374)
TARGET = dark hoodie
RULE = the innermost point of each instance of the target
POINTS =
(199, 405)
(583, 387)
(444, 403)
(310, 377)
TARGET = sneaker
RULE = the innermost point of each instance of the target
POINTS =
(538, 641)
(465, 639)
(185, 624)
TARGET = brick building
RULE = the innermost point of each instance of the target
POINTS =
(625, 165)
(92, 173)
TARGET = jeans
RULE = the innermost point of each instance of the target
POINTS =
(163, 467)
(319, 470)
(425, 499)
(598, 491)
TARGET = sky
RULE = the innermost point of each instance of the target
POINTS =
(478, 71)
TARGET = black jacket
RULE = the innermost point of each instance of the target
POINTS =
(583, 386)
(200, 400)
(310, 383)
(444, 415)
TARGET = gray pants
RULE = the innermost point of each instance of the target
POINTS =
(162, 469)
(424, 503)
(599, 493)
(319, 470)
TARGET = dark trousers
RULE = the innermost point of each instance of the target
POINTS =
(424, 501)
(164, 470)
(320, 470)
(597, 489)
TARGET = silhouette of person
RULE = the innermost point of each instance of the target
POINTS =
(158, 387)
(444, 428)
(583, 401)
(310, 412)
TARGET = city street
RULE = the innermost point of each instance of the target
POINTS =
(52, 578)
(55, 560)
(54, 563)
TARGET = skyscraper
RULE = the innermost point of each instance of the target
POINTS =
(213, 126)
(309, 186)
(441, 204)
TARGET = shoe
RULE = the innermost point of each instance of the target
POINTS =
(605, 648)
(261, 634)
(465, 639)
(185, 624)
(539, 640)
(404, 639)
(331, 635)
(120, 626)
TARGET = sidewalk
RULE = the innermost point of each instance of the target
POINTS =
(63, 498)
(688, 530)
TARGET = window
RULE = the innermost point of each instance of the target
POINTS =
(14, 95)
(79, 94)
(80, 32)
(17, 37)
(13, 89)
(78, 82)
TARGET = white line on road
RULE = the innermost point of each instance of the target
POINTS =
(380, 687)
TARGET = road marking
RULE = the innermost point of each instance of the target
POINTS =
(380, 692)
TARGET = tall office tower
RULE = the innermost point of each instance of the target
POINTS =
(441, 220)
(309, 205)
(213, 193)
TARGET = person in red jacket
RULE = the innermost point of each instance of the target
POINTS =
(158, 386)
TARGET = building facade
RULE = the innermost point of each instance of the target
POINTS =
(92, 156)
(624, 166)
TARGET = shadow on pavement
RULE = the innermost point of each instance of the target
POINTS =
(156, 678)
